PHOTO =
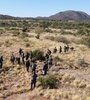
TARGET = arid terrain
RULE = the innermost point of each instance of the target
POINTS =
(72, 69)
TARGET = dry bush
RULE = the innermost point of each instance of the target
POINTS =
(62, 39)
(8, 43)
(27, 44)
(50, 38)
(81, 63)
(58, 39)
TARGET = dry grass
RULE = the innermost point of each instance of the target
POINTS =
(74, 83)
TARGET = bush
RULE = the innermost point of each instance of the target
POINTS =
(24, 29)
(82, 63)
(62, 39)
(48, 30)
(38, 54)
(23, 35)
(48, 81)
(50, 38)
(86, 41)
(27, 45)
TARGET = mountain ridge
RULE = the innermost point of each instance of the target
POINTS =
(64, 15)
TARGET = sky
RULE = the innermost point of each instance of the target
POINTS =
(34, 8)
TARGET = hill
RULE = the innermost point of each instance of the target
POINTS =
(70, 15)
(6, 17)
(66, 15)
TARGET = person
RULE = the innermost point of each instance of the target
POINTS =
(18, 60)
(50, 61)
(31, 55)
(33, 80)
(27, 65)
(65, 49)
(49, 52)
(20, 51)
(22, 55)
(27, 55)
(33, 66)
(55, 50)
(45, 68)
(1, 61)
(72, 48)
(60, 49)
(12, 58)
(46, 57)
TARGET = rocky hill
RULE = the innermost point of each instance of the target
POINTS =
(70, 15)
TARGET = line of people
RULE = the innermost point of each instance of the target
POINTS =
(66, 49)
(27, 60)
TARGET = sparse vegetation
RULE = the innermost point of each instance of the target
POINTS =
(48, 81)
(38, 54)
(68, 76)
(86, 41)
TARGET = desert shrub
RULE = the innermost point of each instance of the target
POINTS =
(27, 45)
(62, 39)
(8, 43)
(48, 30)
(38, 54)
(16, 33)
(24, 29)
(82, 63)
(57, 58)
(23, 35)
(38, 36)
(58, 39)
(86, 41)
(49, 38)
(48, 81)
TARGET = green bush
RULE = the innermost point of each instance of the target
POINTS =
(48, 81)
(38, 54)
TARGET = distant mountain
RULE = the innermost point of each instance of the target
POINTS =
(6, 17)
(66, 15)
(70, 15)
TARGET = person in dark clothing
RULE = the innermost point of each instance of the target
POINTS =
(20, 51)
(12, 58)
(60, 49)
(55, 50)
(33, 80)
(72, 48)
(46, 57)
(45, 68)
(18, 60)
(31, 55)
(50, 61)
(22, 55)
(33, 66)
(48, 52)
(27, 55)
(1, 61)
(27, 65)
(65, 49)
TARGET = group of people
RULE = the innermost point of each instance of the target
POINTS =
(66, 49)
(27, 60)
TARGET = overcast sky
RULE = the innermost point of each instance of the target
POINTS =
(34, 8)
